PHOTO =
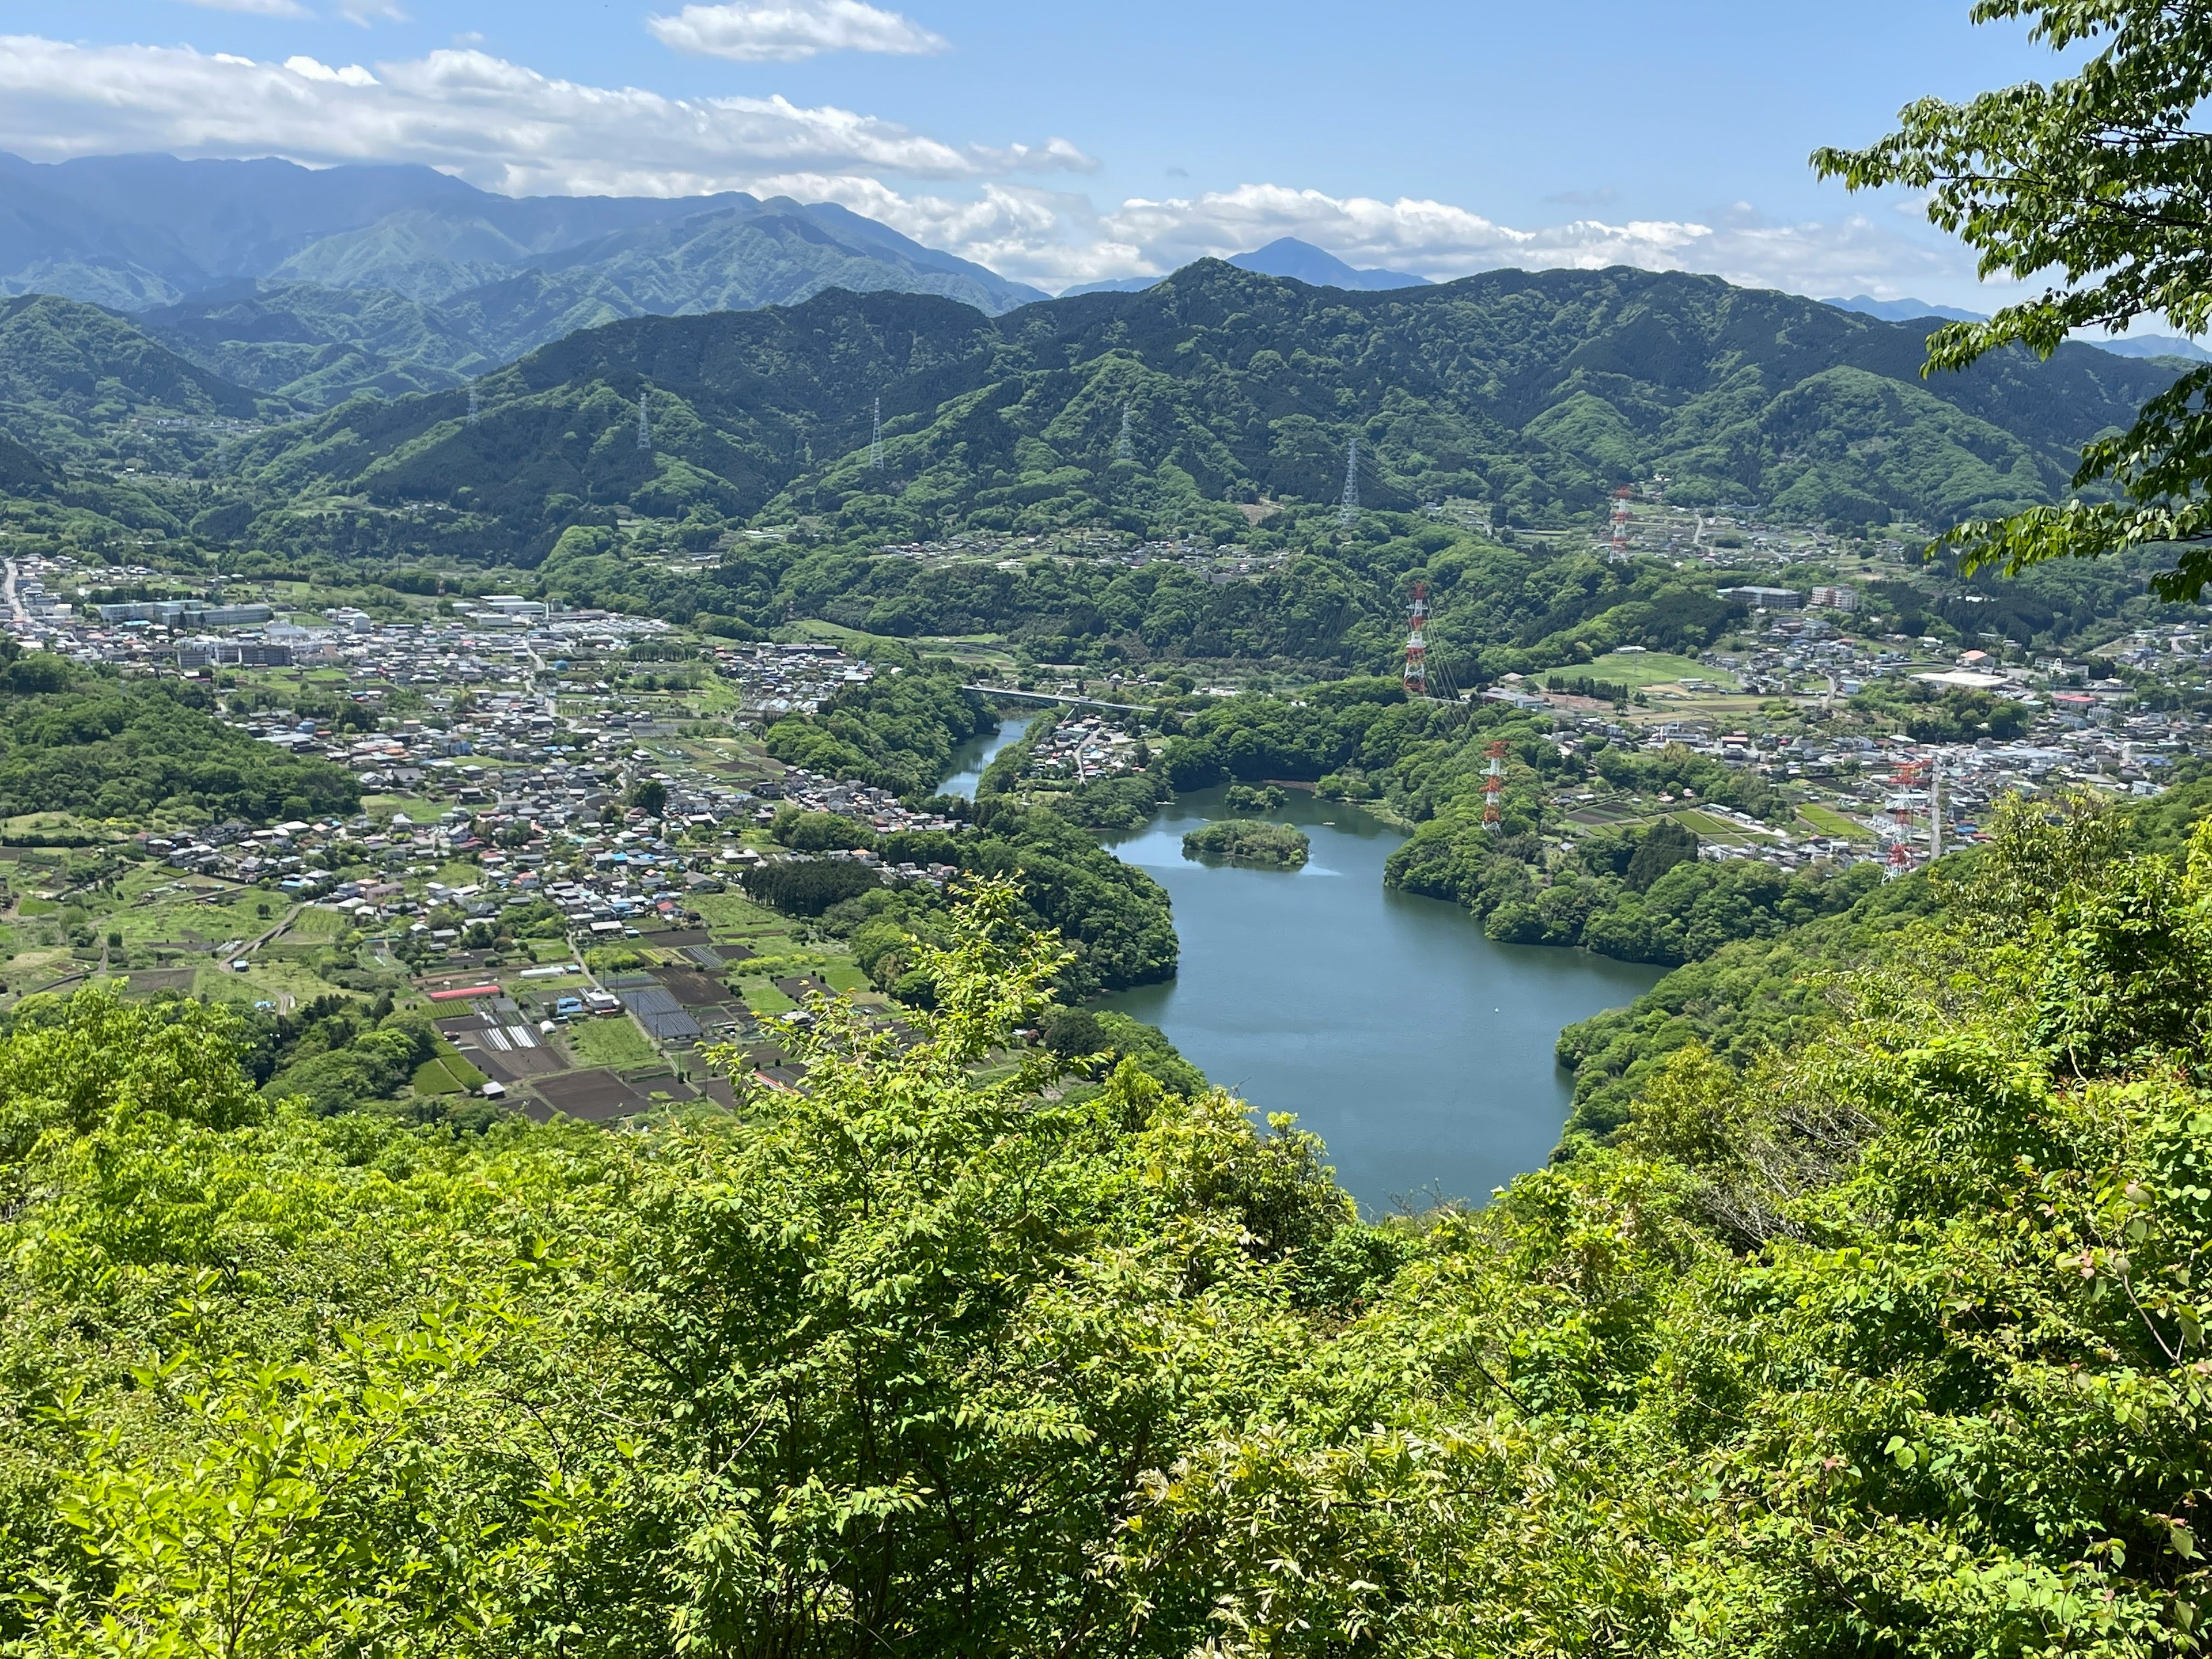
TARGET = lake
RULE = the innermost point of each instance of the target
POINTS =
(1418, 1050)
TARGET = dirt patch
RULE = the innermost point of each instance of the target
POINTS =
(597, 1096)
(692, 989)
(152, 982)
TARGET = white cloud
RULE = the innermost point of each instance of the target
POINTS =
(1058, 239)
(258, 8)
(353, 74)
(367, 12)
(784, 30)
(495, 124)
(507, 127)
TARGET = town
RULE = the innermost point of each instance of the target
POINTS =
(560, 806)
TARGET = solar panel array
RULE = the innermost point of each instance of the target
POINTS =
(663, 1017)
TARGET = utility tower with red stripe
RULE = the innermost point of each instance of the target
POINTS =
(1493, 784)
(1417, 645)
(1620, 550)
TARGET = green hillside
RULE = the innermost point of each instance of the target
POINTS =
(78, 382)
(1535, 392)
(317, 346)
(391, 309)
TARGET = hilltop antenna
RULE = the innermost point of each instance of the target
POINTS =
(1417, 648)
(876, 443)
(1125, 446)
(1349, 511)
(644, 431)
(475, 405)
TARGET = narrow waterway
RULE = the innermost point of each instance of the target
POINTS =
(1418, 1050)
(970, 759)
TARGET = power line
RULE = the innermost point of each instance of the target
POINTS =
(1125, 447)
(1349, 511)
(475, 405)
(876, 444)
(644, 431)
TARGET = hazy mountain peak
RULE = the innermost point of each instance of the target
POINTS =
(1285, 256)
(1303, 262)
(1905, 311)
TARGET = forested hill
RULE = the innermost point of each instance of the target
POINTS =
(73, 377)
(1535, 391)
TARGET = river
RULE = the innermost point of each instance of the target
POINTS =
(1416, 1048)
(971, 759)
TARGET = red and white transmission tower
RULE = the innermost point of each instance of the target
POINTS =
(1417, 646)
(1907, 780)
(1620, 522)
(1493, 783)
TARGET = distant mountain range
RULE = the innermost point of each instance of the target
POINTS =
(315, 285)
(1285, 256)
(134, 232)
(2135, 345)
(1905, 311)
(1536, 392)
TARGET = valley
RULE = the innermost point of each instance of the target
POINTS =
(1069, 833)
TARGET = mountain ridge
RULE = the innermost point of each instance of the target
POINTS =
(1535, 391)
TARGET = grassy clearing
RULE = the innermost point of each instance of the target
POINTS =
(612, 1042)
(1828, 822)
(316, 923)
(31, 827)
(846, 979)
(415, 806)
(763, 998)
(1638, 669)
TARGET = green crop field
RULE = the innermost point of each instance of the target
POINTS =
(763, 998)
(447, 1073)
(1720, 831)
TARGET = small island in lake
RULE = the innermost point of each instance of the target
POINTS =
(1249, 841)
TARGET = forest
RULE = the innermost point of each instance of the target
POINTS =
(78, 741)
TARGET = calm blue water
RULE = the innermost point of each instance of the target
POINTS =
(1418, 1050)
(971, 757)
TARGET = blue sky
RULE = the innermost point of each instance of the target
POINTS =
(1065, 142)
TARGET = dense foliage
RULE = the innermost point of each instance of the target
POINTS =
(1771, 988)
(899, 731)
(1891, 1342)
(896, 732)
(2095, 182)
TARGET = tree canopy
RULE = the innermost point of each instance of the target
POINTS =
(2098, 182)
